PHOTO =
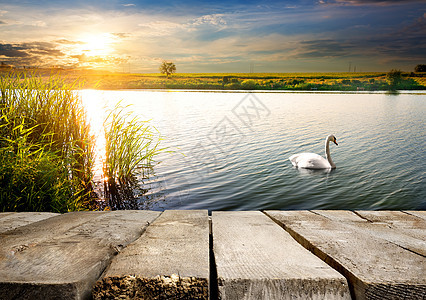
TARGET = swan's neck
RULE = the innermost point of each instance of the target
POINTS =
(327, 154)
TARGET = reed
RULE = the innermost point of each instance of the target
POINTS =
(131, 147)
(46, 149)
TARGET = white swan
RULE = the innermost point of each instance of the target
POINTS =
(315, 161)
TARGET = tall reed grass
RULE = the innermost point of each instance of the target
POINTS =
(46, 149)
(131, 147)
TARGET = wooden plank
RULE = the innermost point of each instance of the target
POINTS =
(9, 221)
(340, 215)
(257, 259)
(396, 227)
(397, 219)
(375, 268)
(400, 223)
(169, 261)
(418, 213)
(3, 214)
(63, 256)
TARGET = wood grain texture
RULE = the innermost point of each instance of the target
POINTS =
(63, 256)
(257, 259)
(12, 220)
(375, 267)
(170, 260)
(418, 213)
(404, 230)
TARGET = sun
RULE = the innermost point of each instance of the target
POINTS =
(97, 44)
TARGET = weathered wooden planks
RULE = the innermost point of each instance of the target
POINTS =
(257, 259)
(12, 220)
(404, 230)
(367, 253)
(169, 261)
(63, 256)
(420, 214)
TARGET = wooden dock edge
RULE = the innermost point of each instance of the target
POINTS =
(169, 261)
(409, 264)
(110, 286)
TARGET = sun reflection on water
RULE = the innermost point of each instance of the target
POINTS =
(95, 106)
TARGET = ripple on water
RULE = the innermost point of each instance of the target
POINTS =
(228, 165)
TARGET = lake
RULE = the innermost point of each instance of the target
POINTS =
(231, 149)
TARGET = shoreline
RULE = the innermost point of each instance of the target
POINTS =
(286, 82)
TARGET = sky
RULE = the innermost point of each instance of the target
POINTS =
(215, 36)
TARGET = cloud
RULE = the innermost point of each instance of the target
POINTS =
(367, 2)
(323, 49)
(39, 24)
(159, 28)
(68, 42)
(121, 35)
(93, 61)
(214, 19)
(214, 33)
(30, 53)
(12, 50)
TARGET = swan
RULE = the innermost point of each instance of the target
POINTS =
(315, 161)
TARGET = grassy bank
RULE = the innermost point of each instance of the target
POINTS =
(46, 154)
(47, 149)
(245, 81)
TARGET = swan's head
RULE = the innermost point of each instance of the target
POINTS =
(332, 138)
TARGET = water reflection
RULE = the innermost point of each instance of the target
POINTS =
(248, 168)
(304, 171)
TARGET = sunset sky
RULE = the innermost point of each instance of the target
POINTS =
(215, 36)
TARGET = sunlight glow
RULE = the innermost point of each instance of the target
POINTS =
(97, 45)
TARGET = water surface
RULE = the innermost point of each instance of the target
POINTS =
(232, 148)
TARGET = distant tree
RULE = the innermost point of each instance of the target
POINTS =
(394, 78)
(420, 68)
(167, 68)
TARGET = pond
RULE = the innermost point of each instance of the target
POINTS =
(231, 149)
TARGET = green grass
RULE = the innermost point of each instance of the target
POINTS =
(45, 146)
(47, 149)
(349, 81)
(131, 146)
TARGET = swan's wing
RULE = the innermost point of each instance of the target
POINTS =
(309, 161)
(293, 159)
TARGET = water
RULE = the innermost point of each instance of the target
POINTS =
(232, 148)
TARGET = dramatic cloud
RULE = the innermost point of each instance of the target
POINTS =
(33, 53)
(369, 2)
(10, 50)
(323, 49)
(216, 36)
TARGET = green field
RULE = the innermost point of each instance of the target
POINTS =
(242, 81)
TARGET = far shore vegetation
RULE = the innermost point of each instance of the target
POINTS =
(350, 81)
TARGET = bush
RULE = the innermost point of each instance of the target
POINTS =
(420, 68)
(249, 84)
(394, 78)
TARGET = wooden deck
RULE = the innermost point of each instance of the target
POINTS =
(228, 255)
